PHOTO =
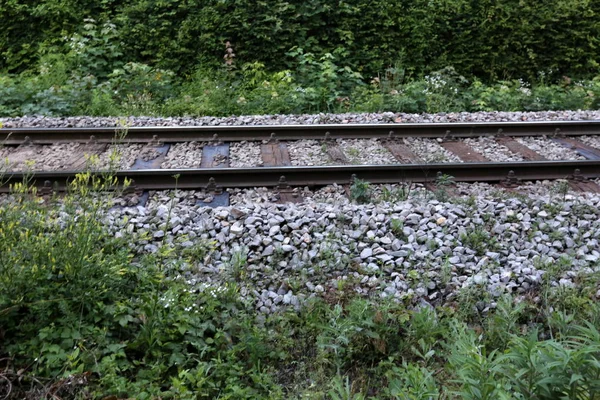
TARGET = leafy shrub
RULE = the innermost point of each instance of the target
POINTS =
(325, 82)
(25, 95)
(96, 50)
(135, 89)
(360, 191)
(74, 301)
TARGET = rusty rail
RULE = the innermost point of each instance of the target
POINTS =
(160, 179)
(10, 136)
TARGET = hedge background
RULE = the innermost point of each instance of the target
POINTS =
(489, 39)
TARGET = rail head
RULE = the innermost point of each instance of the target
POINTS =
(197, 179)
(174, 134)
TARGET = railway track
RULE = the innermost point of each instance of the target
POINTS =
(175, 134)
(215, 172)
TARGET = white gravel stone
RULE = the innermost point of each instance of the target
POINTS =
(53, 157)
(422, 260)
(245, 155)
(365, 151)
(4, 152)
(307, 152)
(549, 149)
(593, 141)
(393, 248)
(346, 118)
(430, 151)
(184, 155)
(119, 156)
(492, 150)
(40, 158)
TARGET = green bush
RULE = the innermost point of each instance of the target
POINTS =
(76, 302)
(319, 86)
(490, 40)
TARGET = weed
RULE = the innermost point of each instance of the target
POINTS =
(397, 227)
(396, 194)
(238, 263)
(479, 240)
(199, 250)
(477, 371)
(561, 187)
(446, 272)
(432, 245)
(353, 152)
(411, 382)
(502, 322)
(442, 183)
(553, 369)
(342, 390)
(360, 191)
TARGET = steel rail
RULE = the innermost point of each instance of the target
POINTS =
(162, 179)
(173, 134)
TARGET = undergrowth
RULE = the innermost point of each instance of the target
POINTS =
(63, 86)
(83, 316)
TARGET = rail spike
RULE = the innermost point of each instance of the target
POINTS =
(511, 179)
(215, 140)
(27, 141)
(212, 187)
(92, 141)
(273, 138)
(448, 136)
(391, 136)
(577, 176)
(46, 190)
(155, 142)
(557, 133)
(283, 185)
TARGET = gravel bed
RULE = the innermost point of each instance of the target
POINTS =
(39, 158)
(548, 191)
(549, 149)
(493, 150)
(415, 250)
(4, 162)
(179, 198)
(119, 156)
(366, 151)
(4, 151)
(430, 151)
(260, 195)
(53, 157)
(307, 152)
(593, 141)
(184, 155)
(332, 194)
(244, 155)
(346, 118)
